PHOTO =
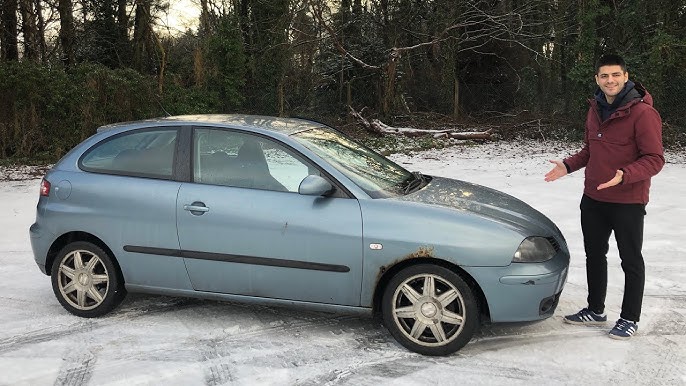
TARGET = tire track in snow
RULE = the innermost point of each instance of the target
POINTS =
(499, 336)
(219, 372)
(77, 368)
(88, 325)
(244, 331)
(389, 363)
(45, 335)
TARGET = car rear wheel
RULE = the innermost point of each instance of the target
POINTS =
(430, 309)
(85, 280)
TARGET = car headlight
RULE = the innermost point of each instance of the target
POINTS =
(534, 250)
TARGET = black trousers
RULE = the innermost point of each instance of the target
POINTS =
(598, 221)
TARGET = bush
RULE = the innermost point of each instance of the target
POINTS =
(46, 111)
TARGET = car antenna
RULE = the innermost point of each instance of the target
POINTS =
(163, 109)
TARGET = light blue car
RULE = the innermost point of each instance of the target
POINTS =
(291, 212)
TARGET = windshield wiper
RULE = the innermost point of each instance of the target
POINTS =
(414, 183)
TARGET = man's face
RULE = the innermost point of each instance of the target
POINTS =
(611, 80)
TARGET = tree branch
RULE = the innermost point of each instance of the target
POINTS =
(317, 11)
(376, 126)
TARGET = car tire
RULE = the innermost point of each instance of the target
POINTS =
(85, 280)
(430, 309)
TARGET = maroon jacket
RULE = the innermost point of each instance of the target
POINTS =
(631, 140)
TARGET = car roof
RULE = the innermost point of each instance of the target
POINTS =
(285, 126)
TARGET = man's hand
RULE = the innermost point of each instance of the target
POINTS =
(560, 170)
(614, 181)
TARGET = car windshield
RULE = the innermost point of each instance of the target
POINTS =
(375, 174)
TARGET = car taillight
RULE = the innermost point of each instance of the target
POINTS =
(44, 188)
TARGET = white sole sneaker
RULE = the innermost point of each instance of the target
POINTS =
(601, 323)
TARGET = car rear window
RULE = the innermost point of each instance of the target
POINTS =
(147, 153)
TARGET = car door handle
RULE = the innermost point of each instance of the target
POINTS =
(197, 208)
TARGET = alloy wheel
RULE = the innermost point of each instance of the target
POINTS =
(428, 310)
(83, 280)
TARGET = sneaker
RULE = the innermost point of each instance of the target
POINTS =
(586, 317)
(624, 329)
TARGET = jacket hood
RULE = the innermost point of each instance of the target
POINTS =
(484, 202)
(631, 91)
(627, 94)
(645, 95)
(619, 99)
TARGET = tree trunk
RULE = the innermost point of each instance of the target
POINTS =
(29, 30)
(456, 100)
(66, 12)
(349, 94)
(341, 80)
(123, 44)
(244, 15)
(389, 88)
(204, 18)
(198, 68)
(122, 18)
(142, 37)
(42, 45)
(357, 8)
(163, 66)
(281, 96)
(9, 44)
(376, 126)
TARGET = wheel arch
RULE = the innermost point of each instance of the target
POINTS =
(388, 273)
(75, 236)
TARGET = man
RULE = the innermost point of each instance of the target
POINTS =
(622, 150)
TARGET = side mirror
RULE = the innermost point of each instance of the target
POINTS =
(313, 185)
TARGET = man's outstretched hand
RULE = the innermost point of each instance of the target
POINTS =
(560, 170)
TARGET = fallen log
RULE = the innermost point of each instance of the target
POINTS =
(379, 127)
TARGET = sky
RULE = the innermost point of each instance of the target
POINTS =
(153, 340)
(182, 15)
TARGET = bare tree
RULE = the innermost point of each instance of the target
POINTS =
(475, 27)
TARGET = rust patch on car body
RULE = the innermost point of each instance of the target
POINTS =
(423, 251)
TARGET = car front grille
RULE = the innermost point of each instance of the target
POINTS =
(554, 243)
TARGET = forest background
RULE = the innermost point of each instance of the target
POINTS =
(523, 68)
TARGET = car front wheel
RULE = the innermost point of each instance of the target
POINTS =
(430, 310)
(85, 280)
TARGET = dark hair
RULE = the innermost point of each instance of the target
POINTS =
(610, 60)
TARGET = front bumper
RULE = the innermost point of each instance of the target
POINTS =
(519, 297)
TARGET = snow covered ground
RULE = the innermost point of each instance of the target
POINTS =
(174, 341)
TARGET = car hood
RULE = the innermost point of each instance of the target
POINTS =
(485, 202)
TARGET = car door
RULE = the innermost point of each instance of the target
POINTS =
(128, 199)
(244, 229)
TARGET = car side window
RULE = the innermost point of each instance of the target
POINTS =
(229, 158)
(147, 153)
